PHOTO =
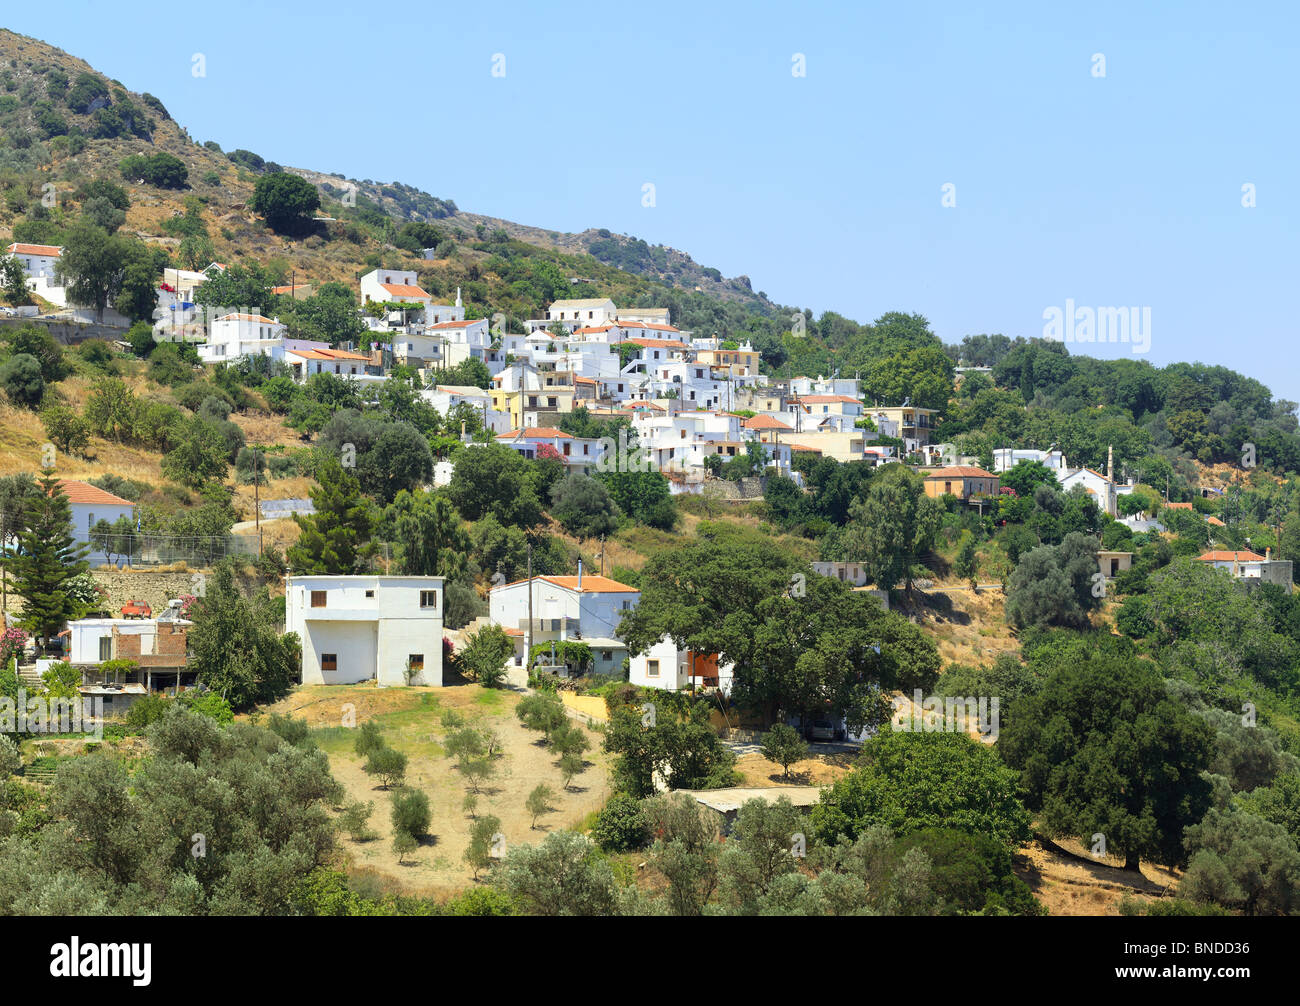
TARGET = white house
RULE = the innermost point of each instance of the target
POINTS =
(320, 359)
(237, 335)
(395, 286)
(1006, 458)
(39, 262)
(573, 314)
(90, 505)
(1248, 565)
(585, 608)
(363, 628)
(666, 666)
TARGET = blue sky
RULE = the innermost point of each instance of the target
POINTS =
(826, 190)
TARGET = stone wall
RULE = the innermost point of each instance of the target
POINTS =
(746, 489)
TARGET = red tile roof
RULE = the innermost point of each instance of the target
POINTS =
(1222, 556)
(248, 317)
(83, 492)
(536, 433)
(403, 290)
(53, 251)
(826, 399)
(590, 583)
(458, 324)
(656, 343)
(961, 472)
(765, 423)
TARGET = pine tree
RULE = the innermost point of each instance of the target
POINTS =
(333, 540)
(48, 558)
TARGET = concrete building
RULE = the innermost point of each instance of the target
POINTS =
(367, 627)
(90, 505)
(962, 481)
(585, 608)
(1250, 566)
(237, 335)
(666, 666)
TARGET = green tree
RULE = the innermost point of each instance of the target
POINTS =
(388, 764)
(1242, 862)
(234, 645)
(201, 455)
(564, 875)
(539, 802)
(583, 506)
(48, 560)
(334, 539)
(411, 812)
(1056, 584)
(494, 479)
(286, 201)
(783, 745)
(908, 780)
(21, 378)
(431, 534)
(485, 654)
(1087, 746)
(892, 527)
(482, 843)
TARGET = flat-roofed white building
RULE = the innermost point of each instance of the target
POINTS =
(367, 627)
(237, 335)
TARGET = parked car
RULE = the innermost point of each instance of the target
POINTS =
(136, 609)
(824, 729)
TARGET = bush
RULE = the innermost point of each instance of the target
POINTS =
(22, 381)
(145, 710)
(211, 705)
(411, 813)
(161, 170)
(621, 825)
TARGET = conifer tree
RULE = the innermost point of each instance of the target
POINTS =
(334, 539)
(48, 558)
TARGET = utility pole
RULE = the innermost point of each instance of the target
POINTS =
(257, 498)
(602, 555)
(528, 636)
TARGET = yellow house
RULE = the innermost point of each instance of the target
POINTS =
(516, 403)
(913, 423)
(962, 481)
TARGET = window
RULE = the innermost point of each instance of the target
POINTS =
(606, 654)
(652, 668)
(90, 522)
(428, 599)
(416, 660)
(370, 593)
(329, 661)
(105, 647)
(318, 598)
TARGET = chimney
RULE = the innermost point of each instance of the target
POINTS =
(579, 574)
(1268, 554)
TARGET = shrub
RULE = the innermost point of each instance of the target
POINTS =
(411, 812)
(621, 825)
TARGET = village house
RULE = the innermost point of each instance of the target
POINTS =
(665, 665)
(386, 629)
(1250, 566)
(39, 264)
(962, 481)
(233, 336)
(585, 608)
(90, 505)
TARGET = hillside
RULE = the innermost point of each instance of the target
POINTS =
(50, 135)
